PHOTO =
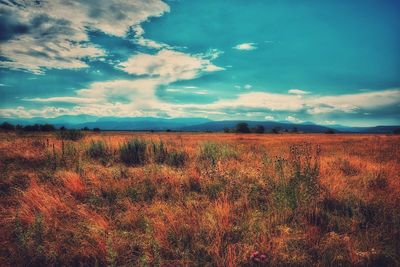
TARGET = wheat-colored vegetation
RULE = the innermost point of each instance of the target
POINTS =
(182, 199)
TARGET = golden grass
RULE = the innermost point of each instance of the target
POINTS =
(267, 200)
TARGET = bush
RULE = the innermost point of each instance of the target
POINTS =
(212, 152)
(7, 126)
(242, 128)
(209, 152)
(160, 152)
(173, 158)
(176, 158)
(72, 135)
(47, 128)
(99, 150)
(258, 129)
(330, 131)
(133, 152)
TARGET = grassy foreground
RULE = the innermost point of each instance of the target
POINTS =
(172, 199)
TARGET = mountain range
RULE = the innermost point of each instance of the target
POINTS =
(186, 124)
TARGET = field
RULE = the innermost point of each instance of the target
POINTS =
(186, 199)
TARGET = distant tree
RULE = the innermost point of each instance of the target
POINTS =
(295, 130)
(330, 131)
(97, 130)
(62, 128)
(18, 127)
(85, 128)
(7, 126)
(396, 131)
(168, 130)
(276, 130)
(47, 128)
(32, 128)
(242, 127)
(227, 130)
(258, 129)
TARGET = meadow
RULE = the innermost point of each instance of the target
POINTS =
(199, 199)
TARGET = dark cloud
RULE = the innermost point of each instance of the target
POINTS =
(10, 26)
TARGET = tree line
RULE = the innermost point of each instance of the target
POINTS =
(243, 127)
(6, 126)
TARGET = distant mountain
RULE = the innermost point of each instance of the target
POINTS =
(215, 126)
(186, 124)
(374, 129)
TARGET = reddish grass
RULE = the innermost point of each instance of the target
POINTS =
(60, 207)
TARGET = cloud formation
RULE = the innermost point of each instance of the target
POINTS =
(297, 92)
(245, 46)
(54, 34)
(169, 65)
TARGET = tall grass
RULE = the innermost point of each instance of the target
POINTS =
(99, 150)
(283, 200)
(133, 152)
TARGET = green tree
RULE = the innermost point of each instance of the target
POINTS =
(242, 127)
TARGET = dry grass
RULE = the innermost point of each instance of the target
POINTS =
(215, 200)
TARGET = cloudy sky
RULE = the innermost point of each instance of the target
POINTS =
(329, 62)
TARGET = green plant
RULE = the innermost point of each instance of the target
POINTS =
(176, 158)
(160, 152)
(98, 150)
(133, 152)
(211, 152)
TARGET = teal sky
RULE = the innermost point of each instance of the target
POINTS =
(329, 62)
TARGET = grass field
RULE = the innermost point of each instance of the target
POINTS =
(186, 199)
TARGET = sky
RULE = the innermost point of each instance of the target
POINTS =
(327, 62)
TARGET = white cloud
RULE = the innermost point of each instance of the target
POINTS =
(247, 86)
(328, 122)
(201, 92)
(245, 46)
(293, 119)
(269, 118)
(313, 105)
(173, 90)
(68, 99)
(297, 92)
(140, 40)
(137, 96)
(55, 32)
(169, 65)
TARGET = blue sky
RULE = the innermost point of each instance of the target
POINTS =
(329, 62)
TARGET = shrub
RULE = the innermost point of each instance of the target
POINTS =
(379, 182)
(213, 190)
(47, 128)
(258, 129)
(347, 168)
(173, 158)
(72, 135)
(133, 152)
(242, 128)
(99, 150)
(7, 126)
(160, 152)
(330, 131)
(211, 152)
(176, 158)
(194, 184)
(70, 155)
